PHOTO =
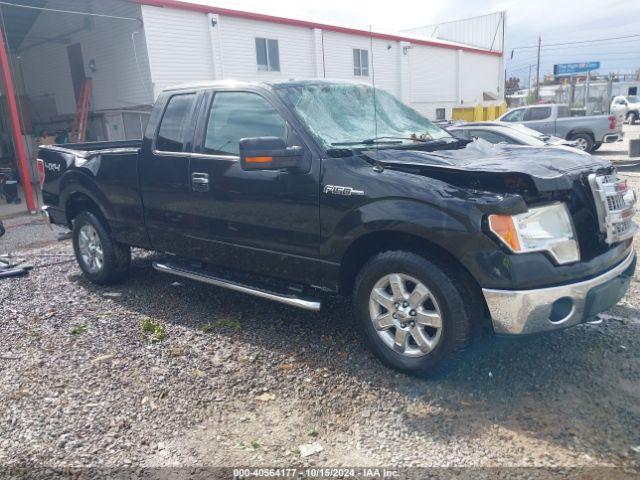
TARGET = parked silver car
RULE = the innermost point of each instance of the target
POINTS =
(589, 132)
(509, 133)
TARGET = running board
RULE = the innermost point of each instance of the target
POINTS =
(200, 275)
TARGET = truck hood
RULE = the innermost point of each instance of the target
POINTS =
(550, 168)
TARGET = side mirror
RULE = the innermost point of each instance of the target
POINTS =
(269, 153)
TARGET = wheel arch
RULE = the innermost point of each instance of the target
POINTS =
(577, 131)
(79, 192)
(79, 201)
(370, 244)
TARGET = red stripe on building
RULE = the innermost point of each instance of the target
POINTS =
(303, 23)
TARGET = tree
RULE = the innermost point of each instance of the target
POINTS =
(512, 85)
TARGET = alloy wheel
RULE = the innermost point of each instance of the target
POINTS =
(91, 251)
(405, 314)
(582, 143)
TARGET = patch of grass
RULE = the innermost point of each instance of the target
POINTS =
(78, 329)
(152, 330)
(206, 327)
(313, 433)
(254, 445)
(231, 323)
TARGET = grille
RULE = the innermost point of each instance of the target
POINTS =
(615, 202)
(615, 207)
(622, 227)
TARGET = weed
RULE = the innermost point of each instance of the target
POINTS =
(231, 323)
(206, 327)
(78, 329)
(152, 330)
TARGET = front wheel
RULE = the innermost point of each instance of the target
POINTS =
(583, 141)
(101, 259)
(411, 312)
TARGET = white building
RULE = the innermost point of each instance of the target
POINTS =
(132, 49)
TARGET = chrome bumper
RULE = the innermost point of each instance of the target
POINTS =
(519, 312)
(612, 137)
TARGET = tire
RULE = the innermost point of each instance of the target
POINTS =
(596, 146)
(584, 140)
(447, 291)
(102, 260)
(632, 117)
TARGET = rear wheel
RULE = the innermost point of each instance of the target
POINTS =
(101, 259)
(632, 117)
(411, 312)
(583, 141)
(596, 146)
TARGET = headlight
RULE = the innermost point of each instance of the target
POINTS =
(541, 229)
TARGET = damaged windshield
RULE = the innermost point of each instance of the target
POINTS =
(342, 114)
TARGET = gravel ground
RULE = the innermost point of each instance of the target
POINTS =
(241, 381)
(26, 232)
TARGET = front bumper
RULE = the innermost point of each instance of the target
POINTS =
(521, 312)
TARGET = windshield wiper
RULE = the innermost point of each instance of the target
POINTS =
(378, 140)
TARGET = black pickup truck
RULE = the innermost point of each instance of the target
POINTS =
(295, 190)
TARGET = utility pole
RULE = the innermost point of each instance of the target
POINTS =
(538, 72)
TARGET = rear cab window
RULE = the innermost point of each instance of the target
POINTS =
(538, 113)
(174, 123)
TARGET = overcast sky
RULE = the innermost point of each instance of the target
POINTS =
(554, 20)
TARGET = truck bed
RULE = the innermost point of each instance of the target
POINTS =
(103, 173)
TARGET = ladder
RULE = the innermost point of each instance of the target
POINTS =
(79, 128)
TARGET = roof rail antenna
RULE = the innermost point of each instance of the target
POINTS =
(373, 84)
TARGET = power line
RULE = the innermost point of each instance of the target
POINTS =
(578, 42)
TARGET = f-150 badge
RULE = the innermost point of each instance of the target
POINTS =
(340, 190)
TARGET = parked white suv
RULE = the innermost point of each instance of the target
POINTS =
(627, 106)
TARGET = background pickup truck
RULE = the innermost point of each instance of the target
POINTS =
(628, 107)
(589, 132)
(291, 192)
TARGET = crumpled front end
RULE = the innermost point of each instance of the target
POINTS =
(516, 312)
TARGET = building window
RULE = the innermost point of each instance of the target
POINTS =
(360, 62)
(441, 114)
(267, 55)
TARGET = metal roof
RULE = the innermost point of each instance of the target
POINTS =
(18, 21)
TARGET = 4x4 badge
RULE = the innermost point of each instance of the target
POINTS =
(340, 190)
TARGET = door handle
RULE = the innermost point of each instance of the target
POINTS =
(200, 181)
(201, 178)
